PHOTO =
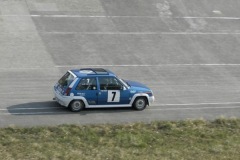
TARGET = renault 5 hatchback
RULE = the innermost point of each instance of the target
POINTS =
(100, 88)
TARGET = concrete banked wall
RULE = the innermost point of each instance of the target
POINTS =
(187, 51)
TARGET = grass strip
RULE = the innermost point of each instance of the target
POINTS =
(189, 139)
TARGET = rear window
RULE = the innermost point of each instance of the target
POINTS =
(66, 80)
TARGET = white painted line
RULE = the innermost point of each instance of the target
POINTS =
(69, 16)
(198, 108)
(199, 33)
(145, 33)
(107, 65)
(155, 105)
(108, 16)
(133, 33)
(198, 104)
(167, 17)
(34, 113)
(33, 68)
(42, 108)
(123, 65)
(142, 65)
(217, 11)
(154, 109)
(224, 18)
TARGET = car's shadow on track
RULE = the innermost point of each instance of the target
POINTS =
(53, 108)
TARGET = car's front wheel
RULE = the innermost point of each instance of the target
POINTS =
(140, 103)
(76, 106)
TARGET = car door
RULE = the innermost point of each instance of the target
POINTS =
(87, 88)
(112, 92)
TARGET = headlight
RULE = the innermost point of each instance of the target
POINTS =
(150, 93)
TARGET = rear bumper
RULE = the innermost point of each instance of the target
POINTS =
(62, 100)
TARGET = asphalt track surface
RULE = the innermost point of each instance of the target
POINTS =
(187, 51)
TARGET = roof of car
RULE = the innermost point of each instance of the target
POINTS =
(92, 72)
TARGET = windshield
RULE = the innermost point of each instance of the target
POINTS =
(125, 83)
(66, 80)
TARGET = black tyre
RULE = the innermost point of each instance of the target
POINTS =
(76, 106)
(140, 103)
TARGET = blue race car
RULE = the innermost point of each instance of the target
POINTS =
(100, 88)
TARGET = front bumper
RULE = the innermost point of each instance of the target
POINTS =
(151, 100)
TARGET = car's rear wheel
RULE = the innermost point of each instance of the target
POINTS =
(140, 103)
(76, 106)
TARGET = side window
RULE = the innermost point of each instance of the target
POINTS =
(87, 84)
(109, 83)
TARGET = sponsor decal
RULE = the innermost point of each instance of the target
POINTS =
(81, 94)
(90, 102)
(133, 91)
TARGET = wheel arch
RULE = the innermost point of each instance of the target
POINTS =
(79, 98)
(144, 95)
